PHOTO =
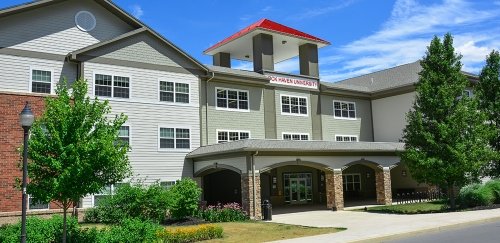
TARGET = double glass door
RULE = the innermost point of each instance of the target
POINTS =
(298, 187)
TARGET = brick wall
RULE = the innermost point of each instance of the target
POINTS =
(11, 138)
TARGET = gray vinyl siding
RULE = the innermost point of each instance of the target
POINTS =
(15, 72)
(52, 29)
(145, 114)
(145, 49)
(252, 121)
(292, 123)
(361, 126)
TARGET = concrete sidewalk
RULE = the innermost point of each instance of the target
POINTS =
(363, 226)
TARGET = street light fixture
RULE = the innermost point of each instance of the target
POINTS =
(26, 118)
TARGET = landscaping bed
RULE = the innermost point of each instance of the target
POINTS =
(411, 208)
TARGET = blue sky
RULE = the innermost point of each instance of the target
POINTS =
(366, 35)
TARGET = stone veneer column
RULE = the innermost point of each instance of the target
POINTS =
(247, 195)
(334, 190)
(383, 186)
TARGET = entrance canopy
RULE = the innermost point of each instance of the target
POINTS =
(285, 45)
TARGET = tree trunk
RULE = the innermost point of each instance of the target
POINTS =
(451, 195)
(65, 210)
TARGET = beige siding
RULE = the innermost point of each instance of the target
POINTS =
(361, 126)
(145, 49)
(252, 121)
(292, 123)
(15, 72)
(389, 116)
(145, 113)
(52, 29)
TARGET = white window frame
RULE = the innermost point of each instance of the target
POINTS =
(290, 113)
(343, 136)
(175, 144)
(295, 133)
(345, 118)
(112, 74)
(167, 184)
(232, 109)
(352, 174)
(38, 209)
(172, 81)
(228, 131)
(129, 133)
(111, 193)
(30, 85)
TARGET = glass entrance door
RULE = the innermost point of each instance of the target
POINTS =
(298, 187)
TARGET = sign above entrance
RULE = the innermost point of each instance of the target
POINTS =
(303, 83)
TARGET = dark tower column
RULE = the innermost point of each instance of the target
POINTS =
(263, 53)
(308, 57)
(222, 59)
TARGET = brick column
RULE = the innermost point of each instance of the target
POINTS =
(334, 190)
(247, 195)
(383, 186)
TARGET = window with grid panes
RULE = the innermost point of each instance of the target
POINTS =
(124, 134)
(295, 136)
(232, 99)
(112, 86)
(174, 92)
(343, 109)
(293, 105)
(346, 138)
(352, 182)
(227, 136)
(41, 81)
(174, 138)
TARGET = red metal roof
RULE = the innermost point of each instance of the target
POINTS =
(267, 24)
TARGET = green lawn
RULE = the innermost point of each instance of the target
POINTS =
(252, 231)
(411, 208)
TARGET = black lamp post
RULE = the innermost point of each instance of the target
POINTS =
(27, 119)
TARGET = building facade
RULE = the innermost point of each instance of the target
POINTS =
(244, 136)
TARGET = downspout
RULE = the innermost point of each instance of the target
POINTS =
(254, 184)
(206, 107)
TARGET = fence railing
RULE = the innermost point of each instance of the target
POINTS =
(415, 197)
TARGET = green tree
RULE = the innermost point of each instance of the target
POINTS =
(74, 148)
(446, 138)
(488, 94)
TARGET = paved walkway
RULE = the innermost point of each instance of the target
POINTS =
(363, 226)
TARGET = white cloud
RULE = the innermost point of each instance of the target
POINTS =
(311, 13)
(137, 11)
(403, 38)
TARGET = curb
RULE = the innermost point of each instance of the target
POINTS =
(428, 230)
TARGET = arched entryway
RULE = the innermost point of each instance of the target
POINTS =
(220, 184)
(359, 181)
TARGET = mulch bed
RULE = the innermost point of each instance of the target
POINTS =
(184, 222)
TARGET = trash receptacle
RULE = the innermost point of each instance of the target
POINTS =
(267, 210)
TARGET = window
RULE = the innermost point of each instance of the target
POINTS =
(346, 138)
(106, 191)
(174, 138)
(41, 81)
(124, 134)
(112, 86)
(344, 109)
(227, 136)
(34, 204)
(232, 99)
(296, 136)
(167, 184)
(352, 182)
(174, 92)
(293, 105)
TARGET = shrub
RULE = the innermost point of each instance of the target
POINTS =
(190, 234)
(137, 201)
(224, 213)
(476, 195)
(39, 230)
(128, 230)
(184, 195)
(494, 186)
